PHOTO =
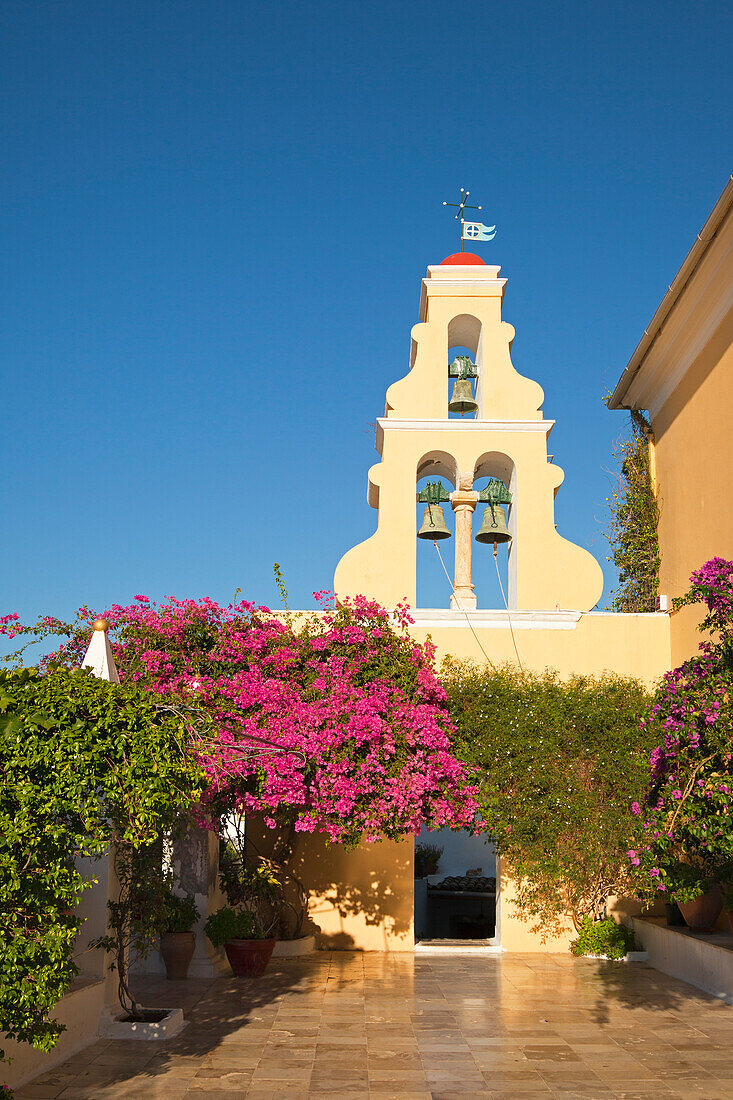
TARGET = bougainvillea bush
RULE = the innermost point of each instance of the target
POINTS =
(333, 722)
(329, 723)
(685, 839)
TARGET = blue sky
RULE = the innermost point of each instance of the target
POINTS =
(215, 219)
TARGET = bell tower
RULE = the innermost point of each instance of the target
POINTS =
(502, 435)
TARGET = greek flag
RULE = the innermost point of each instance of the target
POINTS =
(477, 231)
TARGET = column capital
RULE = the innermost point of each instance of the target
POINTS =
(464, 498)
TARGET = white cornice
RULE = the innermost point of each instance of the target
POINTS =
(403, 425)
(497, 620)
(463, 282)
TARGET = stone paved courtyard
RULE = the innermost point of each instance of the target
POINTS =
(420, 1028)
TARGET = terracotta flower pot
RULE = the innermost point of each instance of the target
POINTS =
(249, 958)
(177, 949)
(702, 913)
(729, 917)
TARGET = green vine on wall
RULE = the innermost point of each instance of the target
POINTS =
(634, 519)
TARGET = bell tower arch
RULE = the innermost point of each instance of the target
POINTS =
(506, 443)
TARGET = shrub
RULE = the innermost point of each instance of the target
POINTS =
(251, 886)
(603, 937)
(559, 764)
(179, 914)
(83, 761)
(685, 833)
(228, 924)
(427, 858)
(634, 521)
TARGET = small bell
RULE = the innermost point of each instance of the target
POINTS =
(462, 400)
(493, 526)
(433, 524)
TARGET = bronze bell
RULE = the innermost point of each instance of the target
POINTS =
(493, 526)
(433, 524)
(462, 400)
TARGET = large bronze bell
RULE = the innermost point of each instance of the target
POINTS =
(462, 400)
(433, 524)
(493, 526)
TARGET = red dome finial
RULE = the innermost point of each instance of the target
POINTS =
(464, 259)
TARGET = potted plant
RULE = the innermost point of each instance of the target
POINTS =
(235, 931)
(700, 904)
(427, 858)
(246, 927)
(177, 939)
(727, 891)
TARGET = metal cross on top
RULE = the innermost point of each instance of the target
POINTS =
(472, 231)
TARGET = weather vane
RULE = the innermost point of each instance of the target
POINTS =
(471, 231)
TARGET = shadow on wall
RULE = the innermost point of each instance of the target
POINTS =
(361, 899)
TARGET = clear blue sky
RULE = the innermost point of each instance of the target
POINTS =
(215, 218)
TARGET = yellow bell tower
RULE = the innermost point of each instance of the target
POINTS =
(460, 306)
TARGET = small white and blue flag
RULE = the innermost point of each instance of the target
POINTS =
(477, 231)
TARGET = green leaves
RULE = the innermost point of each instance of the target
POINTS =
(82, 761)
(561, 762)
(633, 524)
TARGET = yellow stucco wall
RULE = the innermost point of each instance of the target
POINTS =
(360, 900)
(630, 645)
(694, 470)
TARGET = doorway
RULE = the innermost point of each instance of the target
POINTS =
(456, 892)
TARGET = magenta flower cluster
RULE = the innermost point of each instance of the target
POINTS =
(686, 835)
(336, 722)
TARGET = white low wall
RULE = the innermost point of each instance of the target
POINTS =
(79, 1010)
(701, 960)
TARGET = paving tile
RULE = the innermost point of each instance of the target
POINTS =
(348, 1025)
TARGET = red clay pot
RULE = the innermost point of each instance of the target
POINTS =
(177, 949)
(249, 958)
(701, 914)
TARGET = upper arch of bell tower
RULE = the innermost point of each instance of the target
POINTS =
(460, 306)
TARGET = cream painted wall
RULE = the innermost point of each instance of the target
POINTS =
(684, 379)
(630, 645)
(360, 900)
(694, 469)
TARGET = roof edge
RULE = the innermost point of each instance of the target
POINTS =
(689, 265)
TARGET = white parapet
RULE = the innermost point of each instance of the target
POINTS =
(705, 961)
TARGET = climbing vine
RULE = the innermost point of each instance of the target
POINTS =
(633, 525)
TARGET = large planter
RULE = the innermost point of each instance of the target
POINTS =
(701, 914)
(177, 949)
(674, 916)
(291, 949)
(249, 958)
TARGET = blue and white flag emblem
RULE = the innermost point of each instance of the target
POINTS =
(477, 231)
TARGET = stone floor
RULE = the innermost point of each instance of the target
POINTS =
(432, 1028)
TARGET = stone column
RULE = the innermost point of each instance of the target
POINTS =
(196, 864)
(463, 502)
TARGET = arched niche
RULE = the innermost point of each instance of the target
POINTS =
(432, 587)
(488, 586)
(437, 464)
(465, 331)
(464, 338)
